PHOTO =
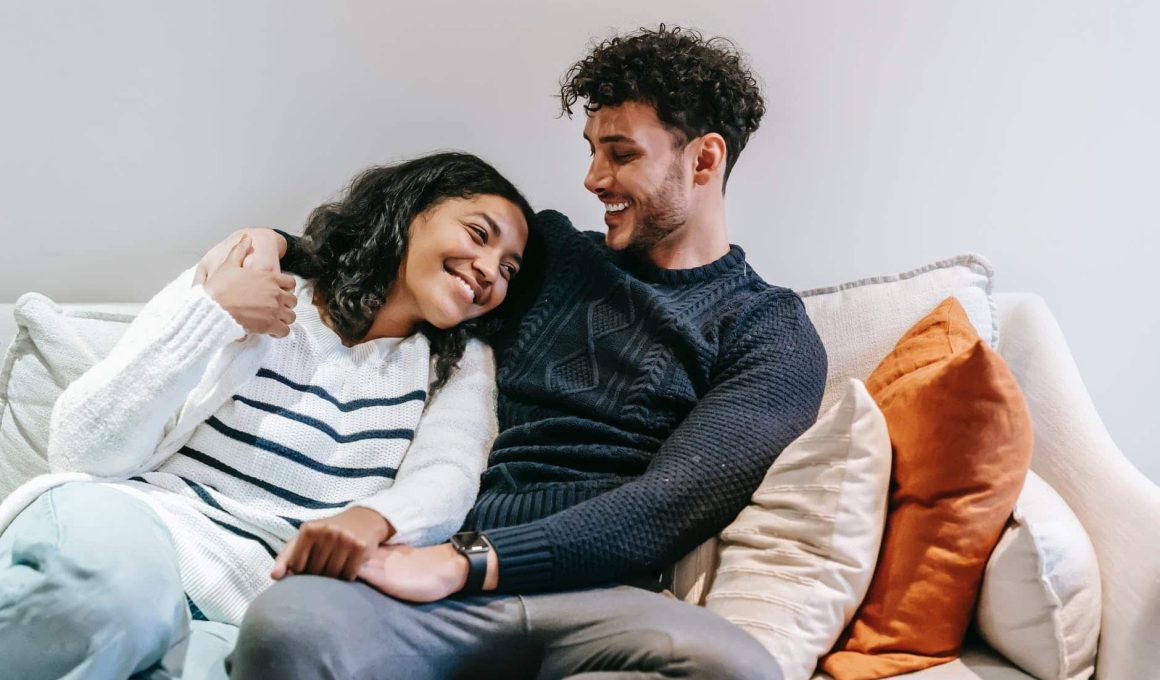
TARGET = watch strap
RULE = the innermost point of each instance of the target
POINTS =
(475, 548)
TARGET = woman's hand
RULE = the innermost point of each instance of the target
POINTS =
(337, 546)
(268, 249)
(260, 301)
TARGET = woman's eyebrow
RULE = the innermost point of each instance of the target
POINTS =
(498, 233)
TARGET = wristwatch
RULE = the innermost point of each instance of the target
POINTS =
(474, 546)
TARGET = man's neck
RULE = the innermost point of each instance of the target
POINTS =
(700, 241)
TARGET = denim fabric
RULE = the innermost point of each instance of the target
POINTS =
(89, 588)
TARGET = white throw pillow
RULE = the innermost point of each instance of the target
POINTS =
(1040, 601)
(796, 563)
(860, 322)
(52, 348)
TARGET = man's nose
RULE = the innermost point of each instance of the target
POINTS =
(598, 178)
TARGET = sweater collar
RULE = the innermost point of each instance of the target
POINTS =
(645, 270)
(326, 342)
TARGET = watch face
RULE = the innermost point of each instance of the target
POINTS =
(468, 541)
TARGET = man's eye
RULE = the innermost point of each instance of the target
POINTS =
(622, 157)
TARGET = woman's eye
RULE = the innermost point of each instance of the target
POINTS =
(510, 271)
(480, 233)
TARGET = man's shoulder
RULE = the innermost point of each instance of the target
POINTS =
(555, 224)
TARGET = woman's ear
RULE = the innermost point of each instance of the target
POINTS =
(710, 156)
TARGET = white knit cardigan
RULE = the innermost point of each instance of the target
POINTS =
(184, 356)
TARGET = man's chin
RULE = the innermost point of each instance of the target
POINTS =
(618, 237)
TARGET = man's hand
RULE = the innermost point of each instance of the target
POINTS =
(269, 247)
(260, 301)
(337, 546)
(422, 574)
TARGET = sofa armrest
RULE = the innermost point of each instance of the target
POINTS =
(1117, 504)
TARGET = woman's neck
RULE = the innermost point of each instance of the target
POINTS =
(391, 321)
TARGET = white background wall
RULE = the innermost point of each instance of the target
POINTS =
(135, 134)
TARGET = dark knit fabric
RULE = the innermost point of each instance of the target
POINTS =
(639, 408)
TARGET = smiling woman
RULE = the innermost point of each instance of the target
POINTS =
(382, 254)
(221, 450)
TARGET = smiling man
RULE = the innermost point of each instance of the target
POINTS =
(648, 377)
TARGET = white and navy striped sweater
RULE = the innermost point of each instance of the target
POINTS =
(311, 427)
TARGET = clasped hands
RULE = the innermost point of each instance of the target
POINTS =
(349, 545)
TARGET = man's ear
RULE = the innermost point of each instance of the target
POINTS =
(709, 161)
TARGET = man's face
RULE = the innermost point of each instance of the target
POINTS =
(639, 173)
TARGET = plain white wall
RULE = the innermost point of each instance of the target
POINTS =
(135, 134)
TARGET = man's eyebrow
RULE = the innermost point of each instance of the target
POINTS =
(498, 234)
(608, 139)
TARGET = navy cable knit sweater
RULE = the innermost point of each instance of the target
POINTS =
(639, 408)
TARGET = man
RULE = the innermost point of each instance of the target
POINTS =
(647, 381)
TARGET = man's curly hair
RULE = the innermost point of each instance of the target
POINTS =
(697, 85)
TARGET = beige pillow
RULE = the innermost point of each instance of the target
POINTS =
(53, 347)
(1040, 601)
(859, 322)
(796, 562)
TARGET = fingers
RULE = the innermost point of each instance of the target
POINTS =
(323, 546)
(286, 282)
(282, 561)
(239, 252)
(344, 551)
(287, 299)
(355, 562)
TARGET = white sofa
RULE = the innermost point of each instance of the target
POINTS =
(1118, 506)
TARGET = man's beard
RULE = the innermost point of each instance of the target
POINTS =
(660, 214)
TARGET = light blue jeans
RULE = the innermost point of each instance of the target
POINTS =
(90, 588)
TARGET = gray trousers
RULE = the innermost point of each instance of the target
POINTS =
(315, 627)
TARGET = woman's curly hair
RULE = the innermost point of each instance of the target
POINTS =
(353, 247)
(697, 85)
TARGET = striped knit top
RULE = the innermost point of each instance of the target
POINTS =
(301, 428)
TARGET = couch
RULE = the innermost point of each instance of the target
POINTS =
(1117, 505)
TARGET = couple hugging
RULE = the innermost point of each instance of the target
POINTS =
(461, 440)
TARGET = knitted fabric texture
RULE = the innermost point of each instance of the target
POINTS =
(310, 428)
(639, 407)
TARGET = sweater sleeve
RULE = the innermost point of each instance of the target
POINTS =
(110, 420)
(766, 391)
(439, 477)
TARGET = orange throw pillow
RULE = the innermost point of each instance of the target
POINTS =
(962, 442)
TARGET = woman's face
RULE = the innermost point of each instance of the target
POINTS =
(462, 255)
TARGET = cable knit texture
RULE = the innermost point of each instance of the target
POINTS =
(639, 407)
(272, 433)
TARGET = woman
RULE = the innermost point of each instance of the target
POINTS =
(224, 458)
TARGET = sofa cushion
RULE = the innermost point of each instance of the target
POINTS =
(53, 347)
(860, 321)
(797, 561)
(962, 443)
(1040, 600)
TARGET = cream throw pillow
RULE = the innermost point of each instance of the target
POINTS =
(52, 348)
(860, 322)
(796, 562)
(1040, 601)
